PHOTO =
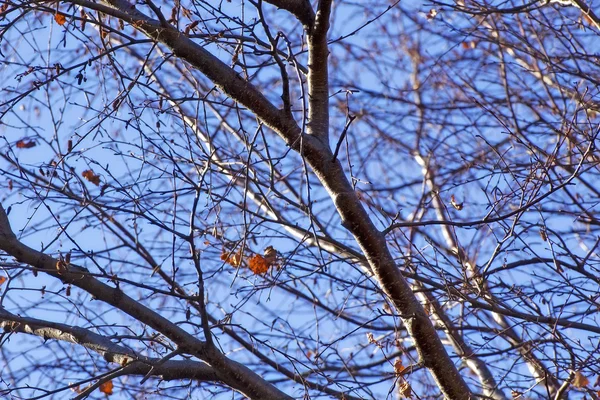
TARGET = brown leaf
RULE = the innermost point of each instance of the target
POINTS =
(61, 266)
(60, 19)
(270, 255)
(580, 380)
(455, 204)
(25, 144)
(371, 338)
(106, 388)
(2, 279)
(190, 27)
(398, 367)
(233, 259)
(91, 176)
(404, 390)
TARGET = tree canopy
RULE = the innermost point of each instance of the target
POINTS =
(274, 199)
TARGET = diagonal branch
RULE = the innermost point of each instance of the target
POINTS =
(539, 371)
(317, 153)
(234, 374)
(134, 364)
(301, 9)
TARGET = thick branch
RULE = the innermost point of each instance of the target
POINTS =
(111, 352)
(331, 174)
(537, 368)
(301, 9)
(431, 351)
(232, 373)
(318, 75)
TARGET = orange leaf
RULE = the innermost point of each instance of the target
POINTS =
(258, 264)
(398, 367)
(580, 380)
(91, 176)
(233, 259)
(25, 144)
(107, 388)
(2, 279)
(60, 19)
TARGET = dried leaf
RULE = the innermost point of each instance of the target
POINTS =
(106, 388)
(580, 380)
(270, 255)
(398, 367)
(83, 17)
(258, 264)
(233, 259)
(455, 204)
(76, 389)
(10, 184)
(370, 338)
(2, 279)
(60, 19)
(190, 27)
(432, 13)
(404, 390)
(25, 144)
(428, 308)
(91, 176)
(61, 266)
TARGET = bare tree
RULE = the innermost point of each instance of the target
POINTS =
(293, 199)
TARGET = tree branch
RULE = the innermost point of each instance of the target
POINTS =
(318, 154)
(135, 364)
(301, 9)
(318, 74)
(234, 374)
